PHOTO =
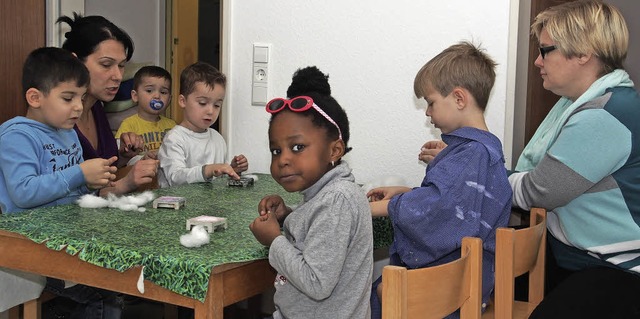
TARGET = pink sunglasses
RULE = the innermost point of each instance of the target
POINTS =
(299, 104)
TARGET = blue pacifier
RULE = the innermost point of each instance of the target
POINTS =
(156, 104)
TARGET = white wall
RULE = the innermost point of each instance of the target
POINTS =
(143, 20)
(372, 51)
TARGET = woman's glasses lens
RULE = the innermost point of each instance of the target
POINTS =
(545, 50)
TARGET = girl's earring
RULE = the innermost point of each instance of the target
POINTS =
(333, 164)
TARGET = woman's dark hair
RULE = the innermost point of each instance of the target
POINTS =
(88, 32)
(310, 81)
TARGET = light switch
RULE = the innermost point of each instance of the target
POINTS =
(260, 54)
(260, 75)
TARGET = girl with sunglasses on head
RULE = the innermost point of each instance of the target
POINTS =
(324, 257)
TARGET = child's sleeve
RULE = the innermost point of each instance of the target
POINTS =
(173, 162)
(430, 221)
(570, 168)
(314, 266)
(125, 126)
(27, 185)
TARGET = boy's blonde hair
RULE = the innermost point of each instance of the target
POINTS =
(200, 72)
(583, 27)
(460, 65)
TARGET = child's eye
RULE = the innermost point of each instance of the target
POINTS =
(149, 91)
(67, 99)
(164, 92)
(297, 148)
(275, 151)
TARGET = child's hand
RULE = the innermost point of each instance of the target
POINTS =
(430, 150)
(217, 170)
(98, 172)
(275, 205)
(240, 163)
(265, 228)
(384, 193)
(131, 144)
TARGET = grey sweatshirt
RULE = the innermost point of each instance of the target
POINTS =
(325, 258)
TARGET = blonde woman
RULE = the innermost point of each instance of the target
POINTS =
(583, 164)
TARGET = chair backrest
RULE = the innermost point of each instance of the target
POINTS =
(435, 292)
(518, 252)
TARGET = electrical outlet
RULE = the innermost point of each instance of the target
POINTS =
(260, 77)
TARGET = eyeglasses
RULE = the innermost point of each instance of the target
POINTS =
(299, 104)
(545, 50)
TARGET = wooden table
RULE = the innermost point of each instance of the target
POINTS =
(228, 284)
(109, 248)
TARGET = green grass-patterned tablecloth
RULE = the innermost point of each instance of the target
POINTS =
(118, 240)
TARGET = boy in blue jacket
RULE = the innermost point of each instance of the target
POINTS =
(41, 160)
(465, 191)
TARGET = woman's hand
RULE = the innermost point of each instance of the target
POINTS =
(274, 204)
(430, 150)
(150, 155)
(265, 228)
(142, 172)
(131, 144)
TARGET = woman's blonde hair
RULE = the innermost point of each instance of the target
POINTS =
(583, 27)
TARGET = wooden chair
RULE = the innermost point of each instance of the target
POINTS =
(518, 252)
(435, 292)
(31, 309)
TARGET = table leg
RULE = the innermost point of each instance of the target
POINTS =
(32, 309)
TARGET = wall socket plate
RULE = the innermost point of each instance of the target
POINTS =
(260, 76)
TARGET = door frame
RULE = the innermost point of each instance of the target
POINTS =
(531, 102)
(182, 50)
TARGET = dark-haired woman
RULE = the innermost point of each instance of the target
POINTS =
(104, 49)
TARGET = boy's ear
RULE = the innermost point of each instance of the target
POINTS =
(460, 96)
(33, 97)
(337, 150)
(182, 101)
(134, 96)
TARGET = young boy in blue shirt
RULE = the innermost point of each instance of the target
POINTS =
(41, 160)
(465, 191)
